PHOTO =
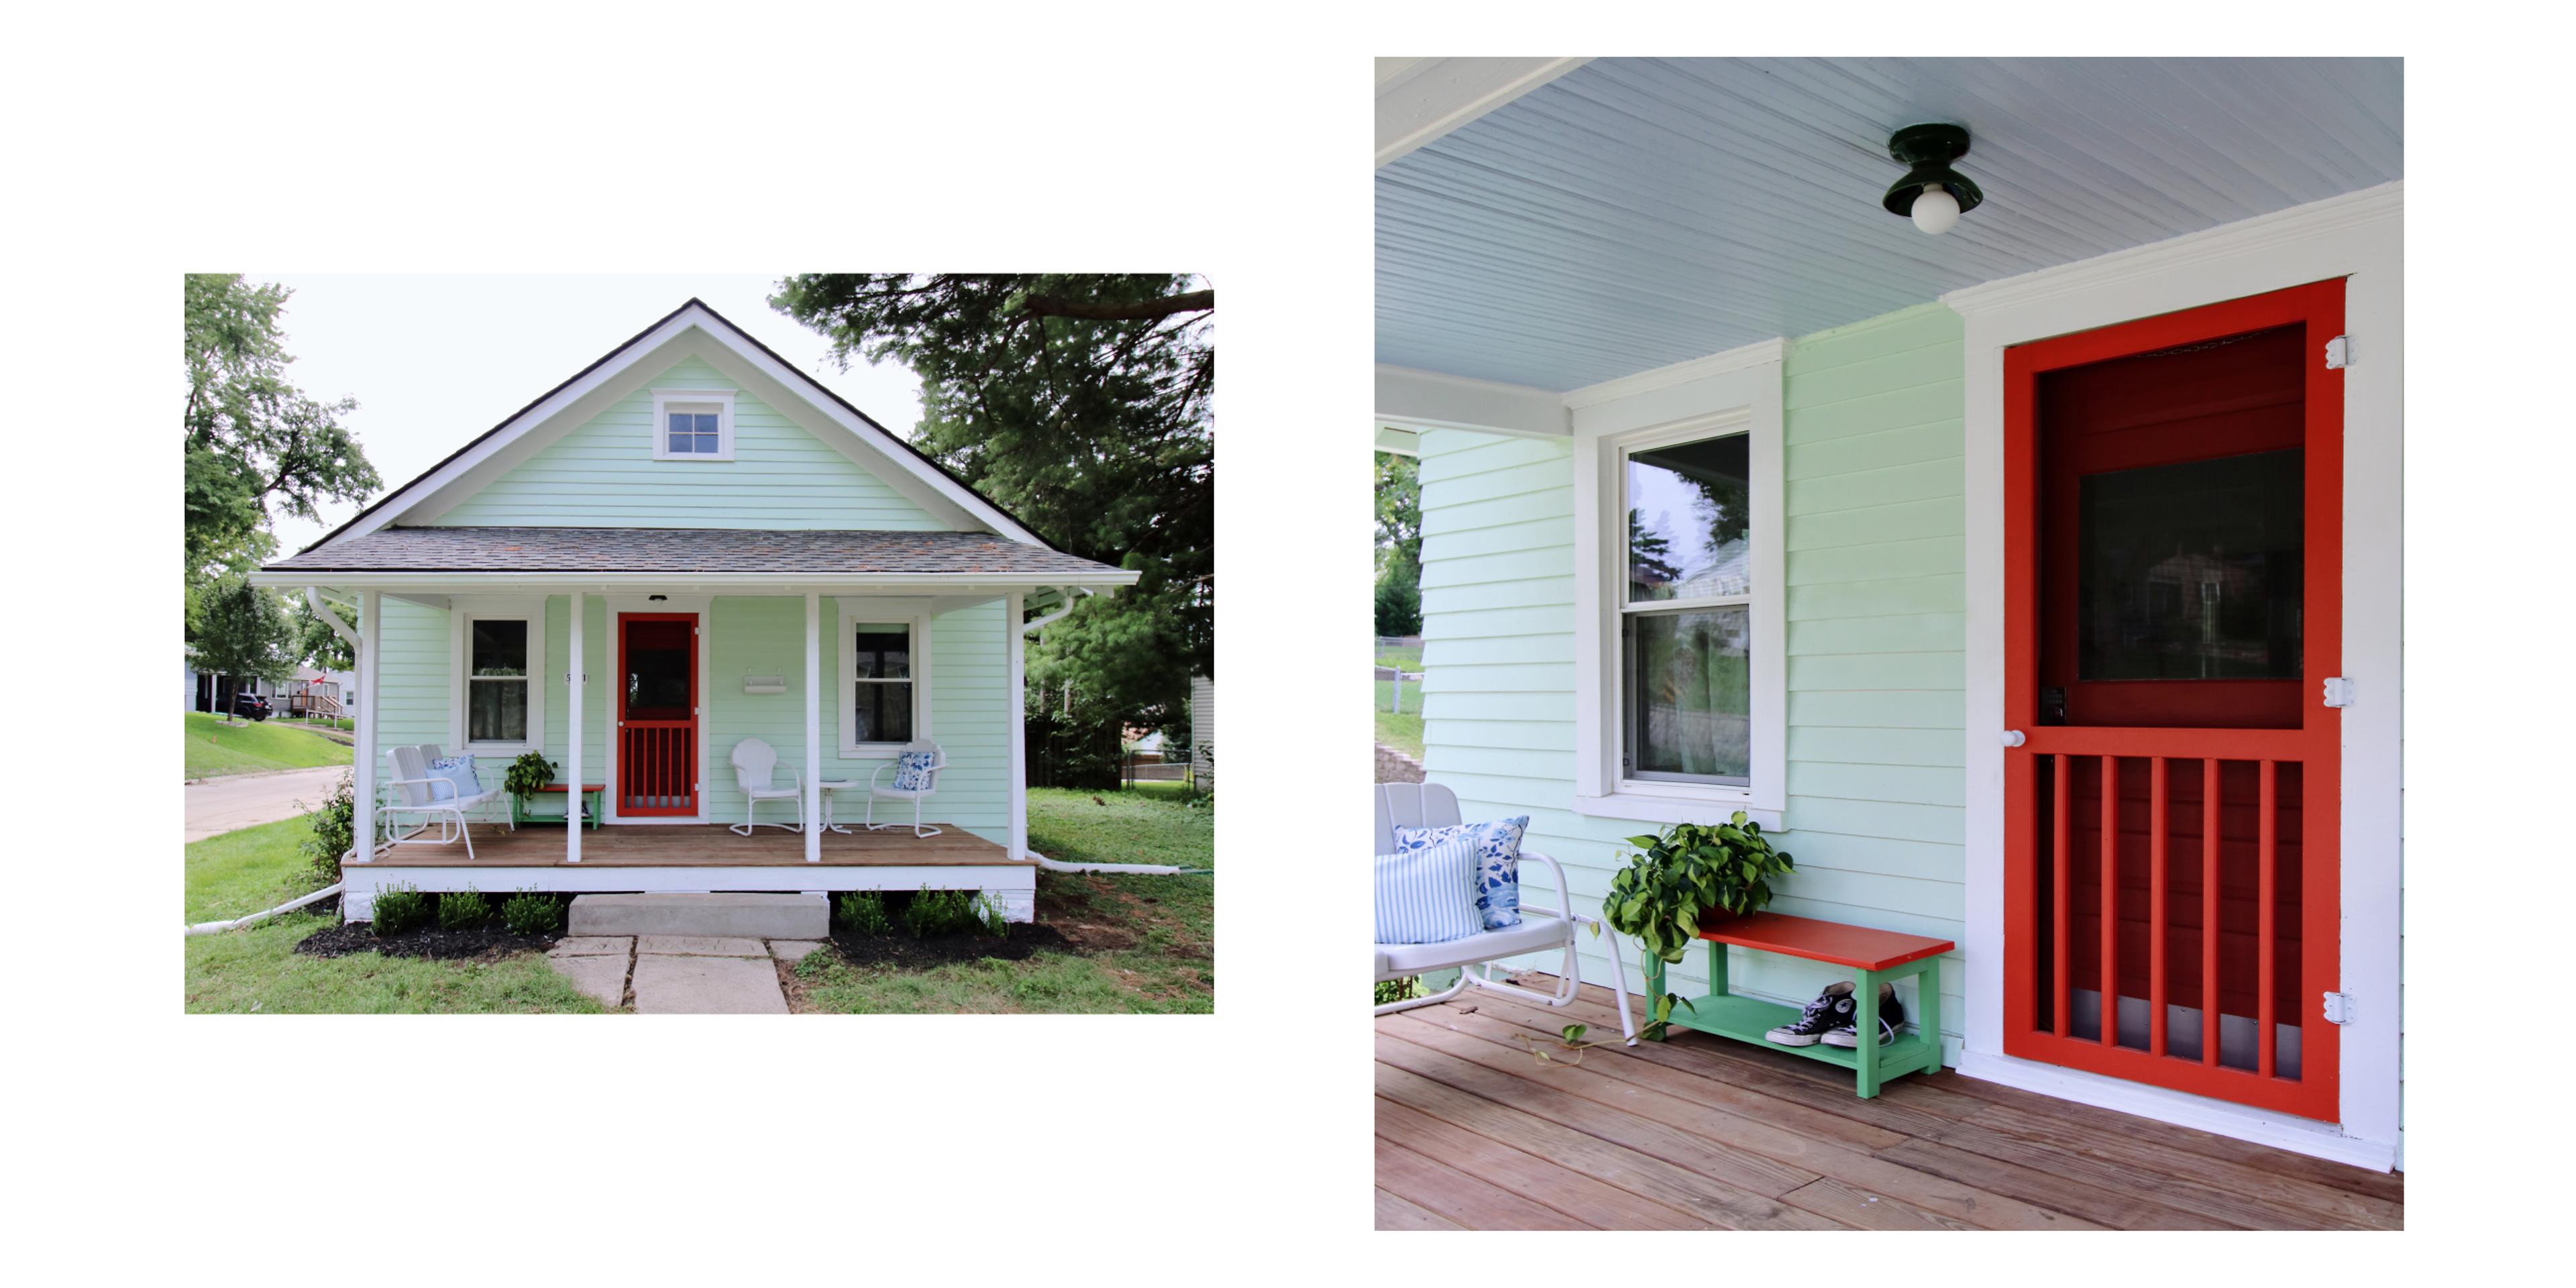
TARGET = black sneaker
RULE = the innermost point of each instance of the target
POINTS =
(1891, 1017)
(1832, 1009)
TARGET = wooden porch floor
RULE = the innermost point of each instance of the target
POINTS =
(692, 845)
(1700, 1132)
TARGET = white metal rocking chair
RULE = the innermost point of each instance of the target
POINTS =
(753, 764)
(425, 797)
(938, 761)
(1433, 805)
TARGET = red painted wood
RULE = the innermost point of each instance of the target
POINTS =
(2160, 824)
(1825, 941)
(657, 753)
(2265, 889)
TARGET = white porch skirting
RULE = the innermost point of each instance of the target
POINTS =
(1014, 886)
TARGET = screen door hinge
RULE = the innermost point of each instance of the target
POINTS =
(2338, 1008)
(2339, 353)
(2338, 691)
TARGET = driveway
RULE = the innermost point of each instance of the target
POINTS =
(247, 800)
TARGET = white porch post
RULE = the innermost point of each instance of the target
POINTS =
(572, 725)
(1015, 642)
(371, 633)
(813, 727)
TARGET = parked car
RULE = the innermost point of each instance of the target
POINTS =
(251, 705)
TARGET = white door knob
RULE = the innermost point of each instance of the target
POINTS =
(2014, 738)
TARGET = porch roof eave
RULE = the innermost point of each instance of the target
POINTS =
(461, 582)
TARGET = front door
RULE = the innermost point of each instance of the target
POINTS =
(2172, 599)
(657, 715)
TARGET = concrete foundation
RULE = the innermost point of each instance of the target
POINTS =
(741, 916)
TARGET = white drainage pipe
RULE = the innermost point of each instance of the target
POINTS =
(219, 927)
(1117, 869)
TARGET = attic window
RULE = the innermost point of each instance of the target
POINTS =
(692, 424)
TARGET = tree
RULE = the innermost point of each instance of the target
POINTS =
(1080, 403)
(321, 646)
(245, 632)
(253, 440)
(1399, 545)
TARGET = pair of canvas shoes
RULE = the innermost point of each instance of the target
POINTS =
(1834, 1019)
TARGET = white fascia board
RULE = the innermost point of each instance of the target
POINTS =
(767, 583)
(1420, 99)
(1397, 441)
(1408, 399)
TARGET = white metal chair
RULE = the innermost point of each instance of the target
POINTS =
(1541, 929)
(938, 761)
(753, 765)
(424, 797)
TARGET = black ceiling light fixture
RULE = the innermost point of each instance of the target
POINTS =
(1932, 193)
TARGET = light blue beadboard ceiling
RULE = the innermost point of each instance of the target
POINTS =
(1639, 212)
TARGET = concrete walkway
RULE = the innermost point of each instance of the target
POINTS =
(218, 805)
(679, 974)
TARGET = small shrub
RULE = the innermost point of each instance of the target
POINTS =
(532, 912)
(399, 908)
(463, 909)
(863, 912)
(1398, 990)
(988, 914)
(938, 912)
(335, 828)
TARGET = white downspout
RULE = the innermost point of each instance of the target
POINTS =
(218, 927)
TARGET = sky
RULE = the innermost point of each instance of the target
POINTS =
(436, 360)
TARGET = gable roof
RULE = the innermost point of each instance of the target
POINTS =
(670, 326)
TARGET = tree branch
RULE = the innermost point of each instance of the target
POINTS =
(1059, 306)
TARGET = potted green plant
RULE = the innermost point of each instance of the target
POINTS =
(1681, 875)
(526, 774)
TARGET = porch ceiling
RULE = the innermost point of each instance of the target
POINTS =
(1639, 212)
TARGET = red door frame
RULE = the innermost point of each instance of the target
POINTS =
(632, 733)
(2316, 744)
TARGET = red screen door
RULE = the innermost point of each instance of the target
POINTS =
(2173, 516)
(657, 714)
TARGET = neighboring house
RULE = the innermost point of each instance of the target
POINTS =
(1970, 587)
(731, 552)
(213, 691)
(317, 692)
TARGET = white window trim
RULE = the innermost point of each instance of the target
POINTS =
(1739, 394)
(462, 613)
(915, 613)
(720, 399)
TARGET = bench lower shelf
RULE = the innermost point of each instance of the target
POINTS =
(1746, 1019)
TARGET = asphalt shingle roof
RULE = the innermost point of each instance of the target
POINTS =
(686, 550)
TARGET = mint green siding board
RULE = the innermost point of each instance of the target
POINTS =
(602, 474)
(1876, 608)
(412, 676)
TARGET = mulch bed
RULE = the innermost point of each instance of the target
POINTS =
(491, 939)
(907, 953)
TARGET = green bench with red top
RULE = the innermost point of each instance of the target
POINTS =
(1875, 956)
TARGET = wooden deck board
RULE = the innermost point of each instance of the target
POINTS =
(1713, 1131)
(696, 845)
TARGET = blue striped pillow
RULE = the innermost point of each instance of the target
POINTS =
(1428, 896)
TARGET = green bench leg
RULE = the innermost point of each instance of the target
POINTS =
(1654, 989)
(1866, 1029)
(1927, 995)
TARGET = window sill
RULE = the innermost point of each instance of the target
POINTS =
(1669, 803)
(510, 749)
(873, 750)
(694, 456)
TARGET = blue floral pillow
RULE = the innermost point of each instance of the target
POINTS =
(458, 770)
(912, 771)
(1498, 862)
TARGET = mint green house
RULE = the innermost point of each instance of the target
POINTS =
(2036, 581)
(688, 576)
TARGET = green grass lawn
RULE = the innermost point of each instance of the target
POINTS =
(1145, 944)
(216, 748)
(258, 969)
(1409, 659)
(1402, 731)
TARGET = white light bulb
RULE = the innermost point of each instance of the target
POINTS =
(1935, 211)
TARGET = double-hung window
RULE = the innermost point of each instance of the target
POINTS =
(1685, 672)
(499, 648)
(1680, 636)
(884, 675)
